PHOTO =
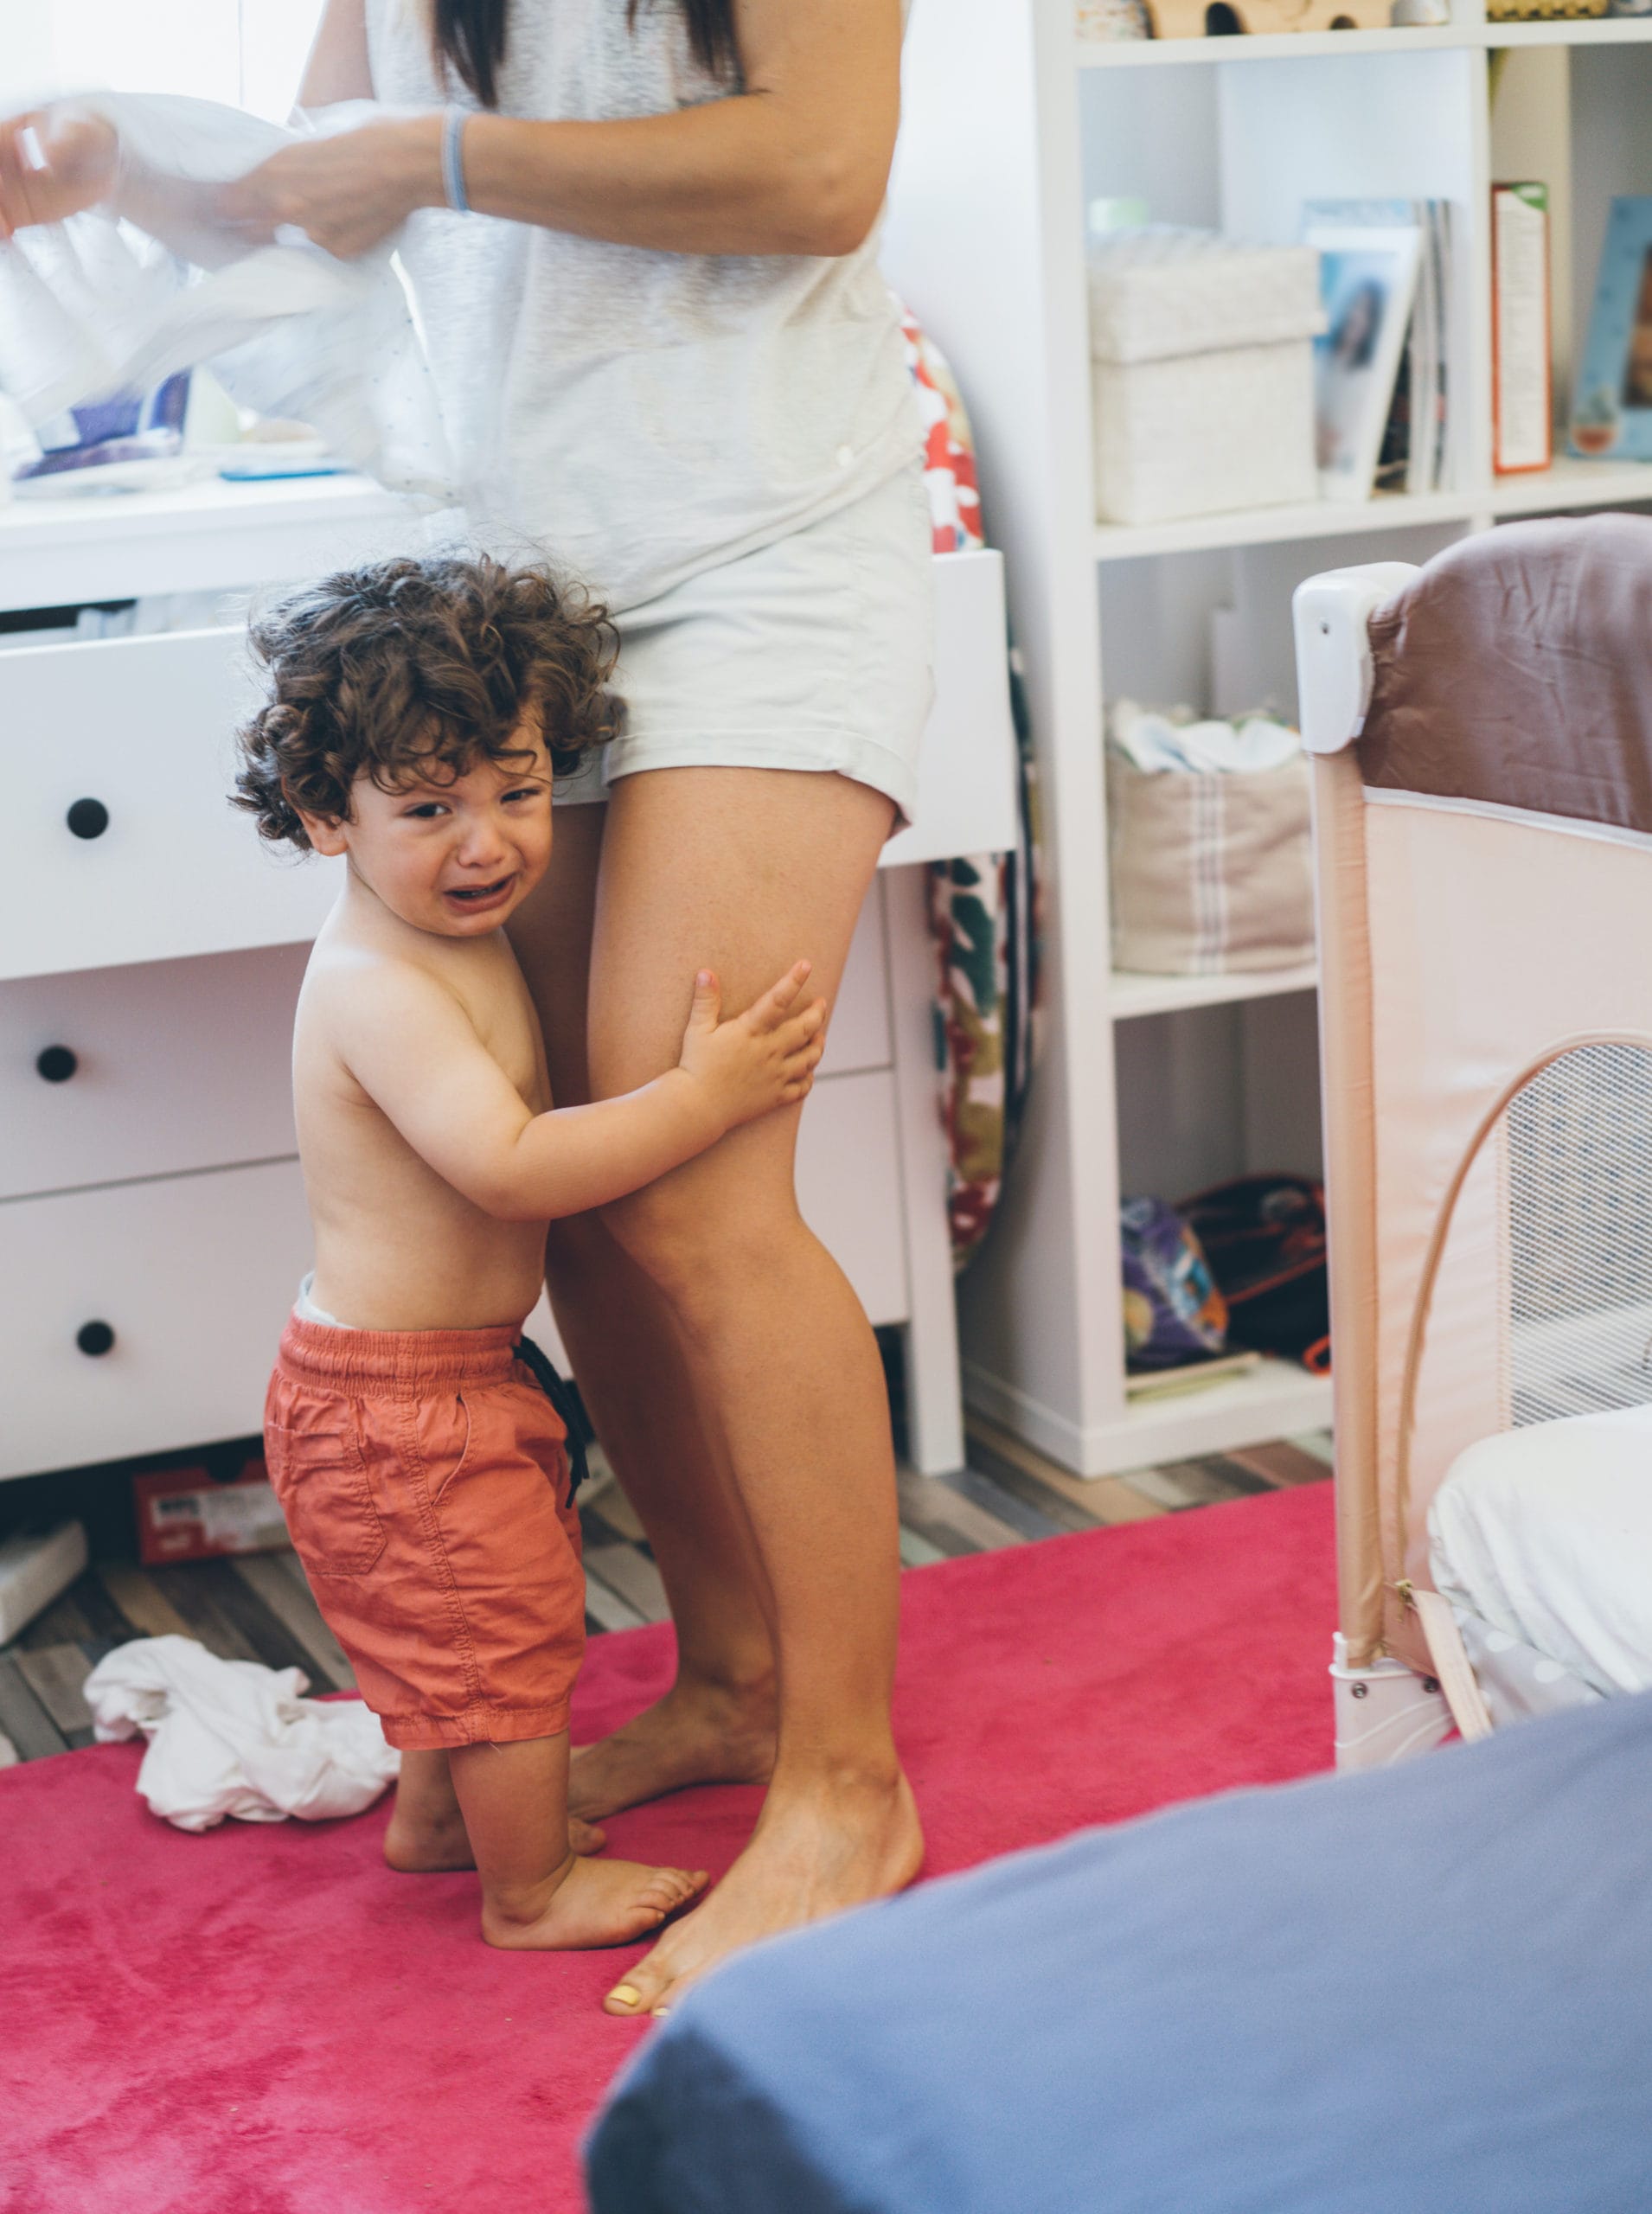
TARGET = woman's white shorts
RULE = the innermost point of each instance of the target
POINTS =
(812, 653)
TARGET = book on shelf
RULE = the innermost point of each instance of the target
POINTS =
(1190, 1376)
(1522, 406)
(1611, 412)
(1382, 369)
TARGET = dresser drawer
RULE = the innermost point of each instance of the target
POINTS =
(117, 758)
(967, 775)
(192, 1277)
(113, 1073)
(848, 1188)
(859, 1037)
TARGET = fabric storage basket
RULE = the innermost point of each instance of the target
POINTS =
(1202, 374)
(1210, 870)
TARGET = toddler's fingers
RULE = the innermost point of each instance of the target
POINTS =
(805, 1057)
(708, 1003)
(801, 1028)
(770, 1010)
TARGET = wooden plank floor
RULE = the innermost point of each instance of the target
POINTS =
(260, 1608)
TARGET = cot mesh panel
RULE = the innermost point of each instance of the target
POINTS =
(1579, 1166)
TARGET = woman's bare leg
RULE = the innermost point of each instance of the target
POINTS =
(744, 871)
(716, 1724)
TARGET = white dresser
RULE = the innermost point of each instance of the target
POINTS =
(153, 1227)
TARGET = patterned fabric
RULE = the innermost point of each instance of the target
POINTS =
(948, 449)
(983, 907)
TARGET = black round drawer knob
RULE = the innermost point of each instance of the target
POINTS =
(57, 1064)
(95, 1338)
(88, 818)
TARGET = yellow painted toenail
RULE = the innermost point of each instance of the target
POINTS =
(660, 2013)
(627, 1994)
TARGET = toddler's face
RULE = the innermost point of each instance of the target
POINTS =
(455, 859)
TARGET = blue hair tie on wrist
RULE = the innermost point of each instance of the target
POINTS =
(453, 160)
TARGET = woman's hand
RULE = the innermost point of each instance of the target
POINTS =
(761, 1059)
(55, 161)
(348, 193)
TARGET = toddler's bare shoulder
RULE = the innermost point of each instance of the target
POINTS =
(353, 988)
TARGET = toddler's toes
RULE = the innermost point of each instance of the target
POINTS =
(672, 1888)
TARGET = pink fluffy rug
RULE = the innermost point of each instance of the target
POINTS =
(267, 2021)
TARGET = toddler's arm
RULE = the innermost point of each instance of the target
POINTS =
(414, 1049)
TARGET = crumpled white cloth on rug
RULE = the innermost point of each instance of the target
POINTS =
(233, 1738)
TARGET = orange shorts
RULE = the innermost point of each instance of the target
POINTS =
(423, 1476)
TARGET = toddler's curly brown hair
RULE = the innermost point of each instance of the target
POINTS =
(410, 670)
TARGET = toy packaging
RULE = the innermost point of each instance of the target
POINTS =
(183, 1515)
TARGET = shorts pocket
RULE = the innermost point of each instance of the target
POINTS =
(320, 1479)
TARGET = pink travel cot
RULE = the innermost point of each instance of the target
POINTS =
(1482, 735)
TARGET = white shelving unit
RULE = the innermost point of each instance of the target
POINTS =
(1137, 995)
(1011, 125)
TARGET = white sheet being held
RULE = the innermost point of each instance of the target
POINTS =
(92, 306)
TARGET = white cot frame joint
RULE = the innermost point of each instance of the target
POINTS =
(1331, 613)
(1383, 1713)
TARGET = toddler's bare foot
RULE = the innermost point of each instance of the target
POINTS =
(429, 1848)
(594, 1902)
(824, 1850)
(698, 1733)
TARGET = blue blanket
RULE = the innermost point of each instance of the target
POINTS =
(1426, 1990)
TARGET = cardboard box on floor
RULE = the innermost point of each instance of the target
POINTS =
(183, 1515)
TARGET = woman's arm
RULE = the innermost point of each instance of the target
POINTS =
(795, 163)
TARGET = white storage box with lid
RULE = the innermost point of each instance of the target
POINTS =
(1203, 376)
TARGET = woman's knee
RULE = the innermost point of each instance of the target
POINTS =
(680, 1232)
(657, 1228)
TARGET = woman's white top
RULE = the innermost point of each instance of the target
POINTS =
(636, 415)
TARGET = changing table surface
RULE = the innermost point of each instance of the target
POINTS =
(1426, 1987)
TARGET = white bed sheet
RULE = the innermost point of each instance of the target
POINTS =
(1541, 1540)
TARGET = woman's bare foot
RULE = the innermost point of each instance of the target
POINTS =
(838, 1846)
(698, 1733)
(432, 1848)
(591, 1902)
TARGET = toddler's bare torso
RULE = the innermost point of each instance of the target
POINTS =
(397, 1247)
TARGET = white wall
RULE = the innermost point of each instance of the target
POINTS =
(247, 52)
